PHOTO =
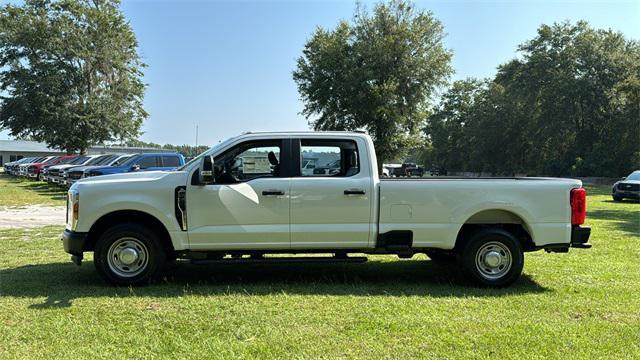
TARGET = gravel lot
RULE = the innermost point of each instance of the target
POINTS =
(31, 216)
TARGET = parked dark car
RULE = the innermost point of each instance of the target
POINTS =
(409, 169)
(142, 162)
(627, 188)
(11, 168)
(76, 173)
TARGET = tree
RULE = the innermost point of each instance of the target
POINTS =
(376, 73)
(70, 74)
(569, 105)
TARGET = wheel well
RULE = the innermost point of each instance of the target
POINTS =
(503, 219)
(128, 216)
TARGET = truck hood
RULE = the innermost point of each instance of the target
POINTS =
(62, 167)
(85, 167)
(130, 177)
(628, 182)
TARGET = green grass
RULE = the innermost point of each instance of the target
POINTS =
(584, 304)
(16, 191)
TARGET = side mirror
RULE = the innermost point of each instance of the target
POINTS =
(206, 170)
(135, 167)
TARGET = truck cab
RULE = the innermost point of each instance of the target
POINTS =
(250, 196)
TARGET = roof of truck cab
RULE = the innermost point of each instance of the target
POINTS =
(304, 133)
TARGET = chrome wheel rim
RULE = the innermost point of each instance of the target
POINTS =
(493, 260)
(128, 257)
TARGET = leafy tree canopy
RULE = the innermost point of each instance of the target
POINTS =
(70, 74)
(376, 72)
(569, 105)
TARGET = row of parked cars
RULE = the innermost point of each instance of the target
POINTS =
(66, 169)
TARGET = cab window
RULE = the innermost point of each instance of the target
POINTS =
(148, 162)
(328, 158)
(247, 161)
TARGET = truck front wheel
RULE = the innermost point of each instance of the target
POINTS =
(493, 257)
(129, 254)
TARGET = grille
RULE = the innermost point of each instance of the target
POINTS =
(628, 187)
(75, 175)
(54, 172)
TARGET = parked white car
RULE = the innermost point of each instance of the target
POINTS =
(211, 210)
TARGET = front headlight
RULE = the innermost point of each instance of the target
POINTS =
(73, 209)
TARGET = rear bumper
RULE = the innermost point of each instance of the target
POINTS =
(74, 242)
(580, 237)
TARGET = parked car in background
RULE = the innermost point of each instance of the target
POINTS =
(141, 162)
(328, 169)
(11, 168)
(44, 173)
(55, 173)
(408, 169)
(34, 171)
(627, 188)
(22, 168)
(97, 160)
(74, 174)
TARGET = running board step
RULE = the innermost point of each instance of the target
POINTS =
(282, 260)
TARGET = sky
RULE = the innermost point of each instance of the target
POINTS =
(225, 67)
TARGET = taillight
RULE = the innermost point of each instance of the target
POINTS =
(578, 200)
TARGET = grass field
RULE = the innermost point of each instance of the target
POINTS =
(584, 304)
(16, 191)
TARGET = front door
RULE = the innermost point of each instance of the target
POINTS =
(248, 206)
(330, 205)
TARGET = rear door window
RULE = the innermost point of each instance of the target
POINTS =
(328, 158)
(149, 162)
(170, 161)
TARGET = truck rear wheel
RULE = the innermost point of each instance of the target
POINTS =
(493, 257)
(129, 254)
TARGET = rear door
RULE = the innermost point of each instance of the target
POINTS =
(331, 206)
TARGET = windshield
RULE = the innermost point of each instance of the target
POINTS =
(634, 176)
(210, 151)
(67, 160)
(52, 160)
(79, 160)
(130, 161)
(94, 161)
(122, 160)
(108, 159)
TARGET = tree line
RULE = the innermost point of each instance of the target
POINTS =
(568, 104)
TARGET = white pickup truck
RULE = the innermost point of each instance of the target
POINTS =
(214, 210)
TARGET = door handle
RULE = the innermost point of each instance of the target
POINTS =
(354, 192)
(272, 192)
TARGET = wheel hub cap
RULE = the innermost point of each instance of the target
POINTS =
(493, 259)
(128, 256)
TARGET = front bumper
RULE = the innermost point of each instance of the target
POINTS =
(626, 194)
(580, 237)
(74, 242)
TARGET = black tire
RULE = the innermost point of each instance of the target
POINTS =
(500, 245)
(616, 198)
(441, 257)
(148, 264)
